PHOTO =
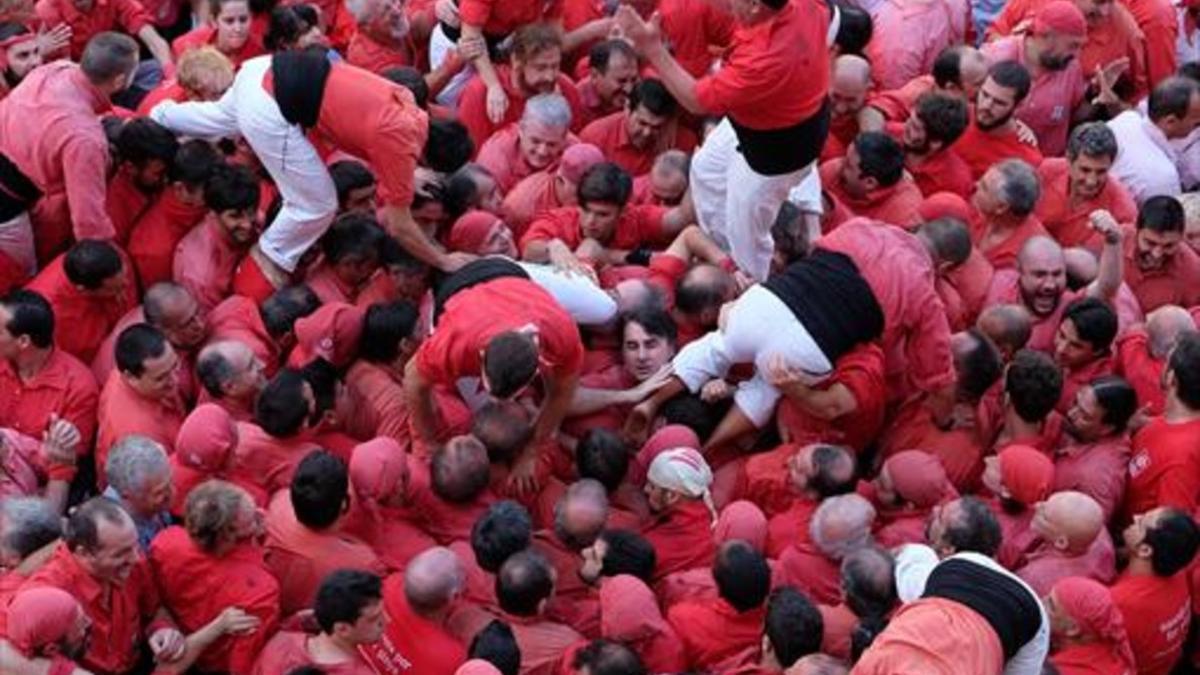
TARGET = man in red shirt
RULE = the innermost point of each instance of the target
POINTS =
(612, 75)
(1080, 183)
(207, 256)
(870, 180)
(1083, 346)
(958, 70)
(214, 562)
(994, 134)
(534, 144)
(38, 381)
(1071, 542)
(19, 55)
(547, 190)
(1159, 268)
(677, 490)
(1142, 352)
(1094, 456)
(1152, 593)
(1004, 200)
(634, 138)
(809, 474)
(144, 149)
(938, 120)
(271, 445)
(268, 329)
(849, 85)
(840, 525)
(1165, 467)
(61, 168)
(90, 288)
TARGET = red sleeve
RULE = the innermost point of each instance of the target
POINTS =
(1180, 485)
(79, 409)
(719, 26)
(244, 650)
(85, 161)
(555, 224)
(472, 111)
(650, 228)
(666, 270)
(131, 16)
(931, 365)
(476, 12)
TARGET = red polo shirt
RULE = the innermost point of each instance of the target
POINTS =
(204, 262)
(156, 234)
(981, 149)
(712, 630)
(1157, 612)
(861, 371)
(126, 202)
(267, 462)
(806, 567)
(1165, 467)
(498, 18)
(63, 387)
(237, 318)
(167, 90)
(611, 134)
(122, 412)
(1068, 219)
(959, 449)
(1003, 253)
(697, 31)
(1134, 362)
(1097, 469)
(637, 226)
(764, 481)
(126, 16)
(1177, 282)
(531, 197)
(288, 651)
(83, 319)
(943, 171)
(1078, 378)
(896, 204)
(682, 537)
(472, 104)
(412, 643)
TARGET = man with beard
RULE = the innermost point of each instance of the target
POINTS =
(958, 70)
(48, 623)
(1078, 184)
(993, 134)
(635, 137)
(144, 152)
(1004, 200)
(1160, 269)
(938, 120)
(848, 89)
(1146, 161)
(208, 255)
(870, 181)
(1095, 454)
(612, 75)
(19, 54)
(1049, 51)
(1039, 282)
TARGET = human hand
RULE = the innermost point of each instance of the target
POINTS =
(716, 390)
(446, 12)
(234, 621)
(497, 104)
(167, 644)
(60, 441)
(50, 41)
(1106, 225)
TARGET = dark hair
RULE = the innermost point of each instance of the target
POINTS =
(977, 530)
(1190, 70)
(281, 408)
(448, 147)
(1034, 384)
(602, 52)
(411, 79)
(1161, 213)
(1012, 75)
(1093, 139)
(980, 367)
(29, 314)
(824, 480)
(950, 238)
(790, 233)
(460, 193)
(385, 325)
(142, 139)
(137, 344)
(606, 183)
(83, 522)
(944, 116)
(854, 31)
(231, 188)
(1094, 321)
(287, 24)
(654, 320)
(319, 490)
(1118, 399)
(504, 428)
(30, 524)
(869, 587)
(628, 553)
(534, 38)
(1174, 540)
(694, 413)
(793, 625)
(605, 657)
(349, 175)
(602, 456)
(652, 95)
(880, 157)
(12, 29)
(323, 377)
(352, 236)
(285, 306)
(693, 296)
(510, 361)
(1184, 362)
(947, 66)
(91, 262)
(343, 596)
(194, 162)
(214, 370)
(462, 488)
(742, 575)
(523, 582)
(504, 529)
(497, 645)
(1171, 97)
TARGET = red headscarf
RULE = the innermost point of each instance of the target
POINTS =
(577, 159)
(1061, 17)
(38, 617)
(742, 520)
(628, 610)
(1026, 473)
(206, 438)
(944, 205)
(666, 438)
(376, 468)
(332, 333)
(1090, 604)
(471, 230)
(918, 477)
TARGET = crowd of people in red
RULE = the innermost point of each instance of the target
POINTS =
(591, 337)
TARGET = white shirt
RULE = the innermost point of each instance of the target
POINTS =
(1145, 158)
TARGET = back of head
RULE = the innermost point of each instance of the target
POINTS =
(1171, 98)
(231, 188)
(504, 529)
(343, 597)
(83, 524)
(975, 528)
(1022, 187)
(30, 524)
(1174, 539)
(693, 412)
(142, 139)
(432, 579)
(628, 552)
(281, 409)
(977, 365)
(1117, 398)
(794, 626)
(868, 582)
(880, 157)
(855, 29)
(29, 314)
(510, 361)
(1007, 326)
(790, 232)
(384, 326)
(320, 489)
(211, 513)
(605, 183)
(842, 524)
(107, 56)
(833, 471)
(497, 645)
(581, 513)
(448, 147)
(91, 262)
(134, 463)
(742, 575)
(605, 657)
(947, 66)
(352, 237)
(459, 470)
(1184, 365)
(654, 97)
(504, 428)
(1161, 213)
(524, 582)
(944, 116)
(1012, 75)
(703, 287)
(1163, 327)
(1033, 382)
(286, 305)
(287, 25)
(411, 79)
(950, 238)
(136, 345)
(602, 456)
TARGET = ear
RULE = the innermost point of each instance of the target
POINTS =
(1144, 550)
(871, 184)
(1061, 543)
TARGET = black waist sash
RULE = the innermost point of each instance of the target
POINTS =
(774, 152)
(17, 192)
(1008, 607)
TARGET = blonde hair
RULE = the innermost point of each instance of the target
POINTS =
(205, 71)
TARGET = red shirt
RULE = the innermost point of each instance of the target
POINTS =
(412, 643)
(1096, 469)
(776, 73)
(167, 90)
(474, 316)
(611, 135)
(498, 18)
(205, 36)
(1157, 613)
(472, 104)
(682, 537)
(896, 204)
(1077, 378)
(443, 520)
(1003, 253)
(121, 614)
(126, 202)
(530, 198)
(501, 155)
(267, 462)
(1159, 25)
(287, 651)
(204, 263)
(806, 567)
(897, 105)
(197, 586)
(156, 234)
(861, 371)
(63, 387)
(1093, 658)
(969, 282)
(1177, 282)
(981, 149)
(1066, 218)
(1134, 362)
(960, 449)
(237, 318)
(122, 412)
(637, 226)
(83, 318)
(384, 410)
(1165, 467)
(1046, 565)
(943, 171)
(106, 359)
(696, 30)
(126, 16)
(712, 630)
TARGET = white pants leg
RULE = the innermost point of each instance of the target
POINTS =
(16, 241)
(440, 47)
(587, 303)
(758, 327)
(709, 181)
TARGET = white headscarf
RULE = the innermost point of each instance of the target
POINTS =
(684, 471)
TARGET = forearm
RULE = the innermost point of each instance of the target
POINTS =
(678, 81)
(733, 427)
(56, 494)
(196, 644)
(157, 46)
(420, 402)
(594, 30)
(439, 77)
(400, 224)
(560, 390)
(588, 400)
(483, 63)
(701, 247)
(537, 251)
(1111, 272)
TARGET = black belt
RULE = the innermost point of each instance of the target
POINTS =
(17, 192)
(472, 274)
(1008, 607)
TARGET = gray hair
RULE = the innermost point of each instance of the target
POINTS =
(1022, 189)
(842, 524)
(675, 159)
(591, 495)
(551, 110)
(107, 56)
(29, 524)
(132, 462)
(362, 10)
(1093, 139)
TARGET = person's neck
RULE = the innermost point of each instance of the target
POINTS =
(1140, 567)
(30, 362)
(1177, 412)
(1004, 222)
(1018, 428)
(1032, 62)
(329, 649)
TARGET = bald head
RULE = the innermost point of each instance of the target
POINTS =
(226, 370)
(459, 470)
(432, 579)
(849, 85)
(172, 309)
(1082, 266)
(581, 513)
(1039, 250)
(1163, 327)
(947, 240)
(818, 664)
(164, 298)
(852, 69)
(1007, 326)
(1069, 521)
(842, 524)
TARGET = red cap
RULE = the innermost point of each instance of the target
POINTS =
(332, 333)
(577, 159)
(944, 205)
(1061, 17)
(470, 231)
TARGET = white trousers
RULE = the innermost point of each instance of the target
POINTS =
(246, 109)
(757, 327)
(587, 303)
(440, 47)
(16, 241)
(735, 205)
